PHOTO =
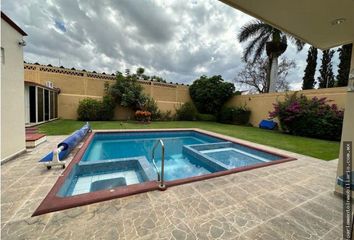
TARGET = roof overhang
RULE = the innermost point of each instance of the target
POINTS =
(13, 24)
(312, 21)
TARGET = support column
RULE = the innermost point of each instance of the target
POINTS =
(348, 124)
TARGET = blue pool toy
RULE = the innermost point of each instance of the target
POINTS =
(341, 182)
(268, 124)
(57, 156)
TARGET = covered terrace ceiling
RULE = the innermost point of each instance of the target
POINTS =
(322, 23)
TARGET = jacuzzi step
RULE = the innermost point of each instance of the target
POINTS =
(228, 155)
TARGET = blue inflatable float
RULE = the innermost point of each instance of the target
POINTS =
(268, 124)
(65, 147)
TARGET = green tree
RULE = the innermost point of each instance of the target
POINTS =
(345, 53)
(310, 70)
(140, 71)
(210, 94)
(326, 78)
(127, 92)
(262, 36)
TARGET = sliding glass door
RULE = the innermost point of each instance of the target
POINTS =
(43, 104)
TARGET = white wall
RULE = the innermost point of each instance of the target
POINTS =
(348, 130)
(12, 94)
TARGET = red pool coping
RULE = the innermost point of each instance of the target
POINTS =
(52, 202)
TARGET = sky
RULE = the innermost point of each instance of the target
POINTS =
(178, 40)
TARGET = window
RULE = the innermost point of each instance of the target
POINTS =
(32, 102)
(2, 55)
(46, 105)
(51, 116)
(40, 104)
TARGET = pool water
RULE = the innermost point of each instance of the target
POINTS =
(125, 158)
(177, 164)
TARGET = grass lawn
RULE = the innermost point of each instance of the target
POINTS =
(326, 150)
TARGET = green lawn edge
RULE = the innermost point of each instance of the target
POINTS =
(322, 149)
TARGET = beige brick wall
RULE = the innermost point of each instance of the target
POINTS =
(261, 104)
(77, 85)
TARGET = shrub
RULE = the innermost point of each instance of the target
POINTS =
(151, 106)
(95, 110)
(206, 117)
(186, 112)
(234, 115)
(88, 109)
(314, 117)
(210, 94)
(166, 116)
(107, 108)
(143, 116)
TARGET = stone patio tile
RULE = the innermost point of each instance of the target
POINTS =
(331, 201)
(315, 225)
(266, 184)
(174, 212)
(219, 199)
(318, 184)
(184, 191)
(204, 187)
(106, 226)
(107, 208)
(328, 214)
(28, 182)
(135, 203)
(175, 232)
(252, 189)
(27, 209)
(144, 222)
(41, 191)
(276, 202)
(196, 207)
(289, 229)
(68, 224)
(262, 232)
(278, 181)
(212, 226)
(259, 209)
(237, 193)
(158, 197)
(13, 195)
(220, 182)
(30, 228)
(335, 233)
(293, 176)
(240, 218)
(9, 209)
(295, 194)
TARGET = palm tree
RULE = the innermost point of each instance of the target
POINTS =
(265, 37)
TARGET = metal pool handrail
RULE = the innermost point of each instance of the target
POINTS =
(160, 174)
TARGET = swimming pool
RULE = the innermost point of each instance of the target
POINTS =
(114, 164)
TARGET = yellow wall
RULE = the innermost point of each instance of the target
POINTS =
(12, 94)
(261, 104)
(76, 85)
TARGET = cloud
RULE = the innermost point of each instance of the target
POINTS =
(177, 39)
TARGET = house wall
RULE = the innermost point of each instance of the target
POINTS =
(76, 85)
(261, 104)
(12, 93)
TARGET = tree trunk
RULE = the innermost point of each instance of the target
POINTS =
(266, 88)
(273, 74)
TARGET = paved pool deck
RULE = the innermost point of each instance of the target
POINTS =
(292, 200)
